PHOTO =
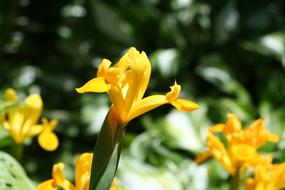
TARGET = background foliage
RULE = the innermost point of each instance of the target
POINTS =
(229, 56)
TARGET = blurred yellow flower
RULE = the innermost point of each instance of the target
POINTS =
(267, 177)
(21, 122)
(126, 83)
(82, 176)
(242, 144)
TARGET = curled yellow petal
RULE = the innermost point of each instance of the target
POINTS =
(83, 171)
(180, 104)
(57, 173)
(59, 179)
(103, 68)
(173, 94)
(48, 140)
(184, 105)
(47, 185)
(97, 84)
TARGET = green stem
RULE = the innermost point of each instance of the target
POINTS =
(235, 184)
(107, 152)
(18, 152)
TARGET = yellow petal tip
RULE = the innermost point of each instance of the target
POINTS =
(79, 90)
(48, 141)
(185, 105)
(97, 85)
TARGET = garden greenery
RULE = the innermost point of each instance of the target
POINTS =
(219, 126)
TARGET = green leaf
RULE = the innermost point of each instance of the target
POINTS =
(7, 105)
(107, 153)
(5, 138)
(12, 175)
(106, 19)
(272, 44)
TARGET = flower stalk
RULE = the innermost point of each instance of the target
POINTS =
(18, 150)
(235, 181)
(108, 146)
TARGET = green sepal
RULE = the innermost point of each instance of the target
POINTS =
(107, 152)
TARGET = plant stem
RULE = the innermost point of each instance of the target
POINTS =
(18, 152)
(235, 184)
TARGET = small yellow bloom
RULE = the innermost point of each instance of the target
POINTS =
(267, 177)
(242, 144)
(21, 122)
(82, 176)
(126, 83)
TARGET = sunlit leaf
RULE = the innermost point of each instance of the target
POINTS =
(106, 153)
(272, 44)
(12, 175)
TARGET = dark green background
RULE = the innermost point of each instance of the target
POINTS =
(228, 56)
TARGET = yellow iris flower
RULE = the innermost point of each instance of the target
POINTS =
(126, 83)
(21, 122)
(267, 177)
(82, 176)
(242, 144)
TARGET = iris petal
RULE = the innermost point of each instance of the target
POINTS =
(83, 171)
(243, 152)
(59, 178)
(48, 140)
(220, 153)
(35, 130)
(126, 83)
(97, 84)
(47, 185)
(147, 104)
(184, 105)
(217, 128)
(203, 156)
(32, 111)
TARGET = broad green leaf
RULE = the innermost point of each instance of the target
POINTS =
(139, 175)
(107, 153)
(12, 175)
